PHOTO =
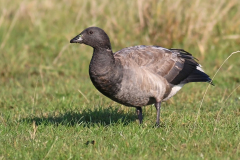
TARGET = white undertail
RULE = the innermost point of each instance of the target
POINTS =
(174, 90)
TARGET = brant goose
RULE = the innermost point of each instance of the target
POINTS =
(140, 75)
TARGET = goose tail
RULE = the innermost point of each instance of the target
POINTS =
(198, 75)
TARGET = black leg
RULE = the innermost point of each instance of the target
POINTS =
(158, 108)
(139, 114)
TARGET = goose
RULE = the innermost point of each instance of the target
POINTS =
(140, 75)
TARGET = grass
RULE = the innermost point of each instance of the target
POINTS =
(49, 109)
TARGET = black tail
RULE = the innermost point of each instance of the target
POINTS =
(198, 76)
(190, 67)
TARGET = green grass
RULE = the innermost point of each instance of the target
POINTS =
(49, 108)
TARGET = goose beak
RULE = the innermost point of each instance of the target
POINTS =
(77, 39)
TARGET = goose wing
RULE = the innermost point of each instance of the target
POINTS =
(175, 65)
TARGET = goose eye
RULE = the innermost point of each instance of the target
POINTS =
(90, 32)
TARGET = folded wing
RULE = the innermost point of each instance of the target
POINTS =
(175, 65)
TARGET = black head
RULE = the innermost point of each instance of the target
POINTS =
(94, 37)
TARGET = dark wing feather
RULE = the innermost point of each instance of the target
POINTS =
(189, 72)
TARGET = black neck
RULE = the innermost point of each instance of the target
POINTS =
(102, 61)
(105, 72)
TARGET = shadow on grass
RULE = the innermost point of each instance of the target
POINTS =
(87, 118)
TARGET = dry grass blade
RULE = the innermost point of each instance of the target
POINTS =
(13, 23)
(51, 147)
(231, 93)
(2, 120)
(60, 53)
(33, 134)
(83, 95)
(2, 17)
(220, 110)
(198, 114)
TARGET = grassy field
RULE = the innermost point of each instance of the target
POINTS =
(49, 108)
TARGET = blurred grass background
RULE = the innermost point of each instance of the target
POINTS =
(44, 80)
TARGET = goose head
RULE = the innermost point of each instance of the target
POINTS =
(94, 37)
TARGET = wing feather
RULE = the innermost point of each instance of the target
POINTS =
(175, 65)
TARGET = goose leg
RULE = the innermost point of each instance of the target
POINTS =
(139, 114)
(158, 108)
